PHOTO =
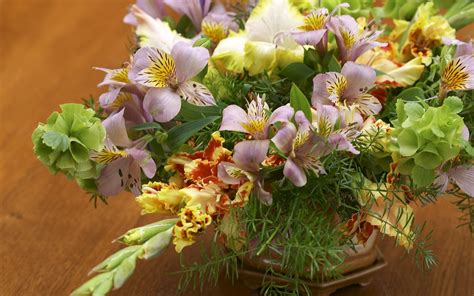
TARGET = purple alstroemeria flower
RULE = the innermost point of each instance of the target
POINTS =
(123, 93)
(347, 89)
(340, 128)
(154, 8)
(314, 31)
(458, 74)
(303, 148)
(123, 158)
(351, 41)
(196, 10)
(168, 77)
(248, 155)
(463, 176)
(256, 121)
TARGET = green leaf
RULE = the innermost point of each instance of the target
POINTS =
(333, 64)
(146, 126)
(298, 72)
(455, 104)
(412, 94)
(56, 141)
(414, 110)
(422, 177)
(299, 101)
(192, 112)
(179, 134)
(428, 158)
(92, 284)
(408, 142)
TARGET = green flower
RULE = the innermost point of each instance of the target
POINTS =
(65, 141)
(425, 137)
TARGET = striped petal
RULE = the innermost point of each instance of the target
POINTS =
(195, 93)
(459, 74)
(153, 67)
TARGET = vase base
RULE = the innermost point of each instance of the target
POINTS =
(254, 279)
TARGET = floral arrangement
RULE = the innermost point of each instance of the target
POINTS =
(292, 125)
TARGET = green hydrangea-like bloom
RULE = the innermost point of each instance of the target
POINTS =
(425, 137)
(65, 141)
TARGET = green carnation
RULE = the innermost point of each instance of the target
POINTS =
(425, 137)
(65, 141)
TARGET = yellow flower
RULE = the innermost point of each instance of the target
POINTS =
(263, 46)
(160, 198)
(425, 33)
(385, 210)
(192, 221)
(395, 74)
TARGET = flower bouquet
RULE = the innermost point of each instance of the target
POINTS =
(289, 128)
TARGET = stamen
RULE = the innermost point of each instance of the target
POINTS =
(349, 38)
(162, 72)
(454, 76)
(120, 100)
(107, 156)
(120, 75)
(314, 21)
(337, 87)
(214, 31)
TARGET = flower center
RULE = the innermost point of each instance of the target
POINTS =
(336, 88)
(255, 126)
(214, 31)
(348, 38)
(121, 99)
(162, 72)
(121, 75)
(107, 156)
(454, 76)
(314, 21)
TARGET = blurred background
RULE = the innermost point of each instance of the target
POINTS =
(51, 235)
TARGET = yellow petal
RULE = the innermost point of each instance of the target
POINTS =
(229, 54)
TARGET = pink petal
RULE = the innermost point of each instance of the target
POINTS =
(116, 130)
(310, 37)
(195, 93)
(464, 178)
(320, 94)
(112, 178)
(222, 173)
(281, 114)
(360, 78)
(189, 60)
(162, 103)
(144, 160)
(284, 137)
(232, 118)
(294, 173)
(248, 155)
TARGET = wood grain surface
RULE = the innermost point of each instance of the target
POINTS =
(50, 235)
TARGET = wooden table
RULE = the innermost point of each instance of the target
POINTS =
(50, 235)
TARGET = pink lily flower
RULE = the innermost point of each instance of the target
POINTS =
(168, 77)
(347, 89)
